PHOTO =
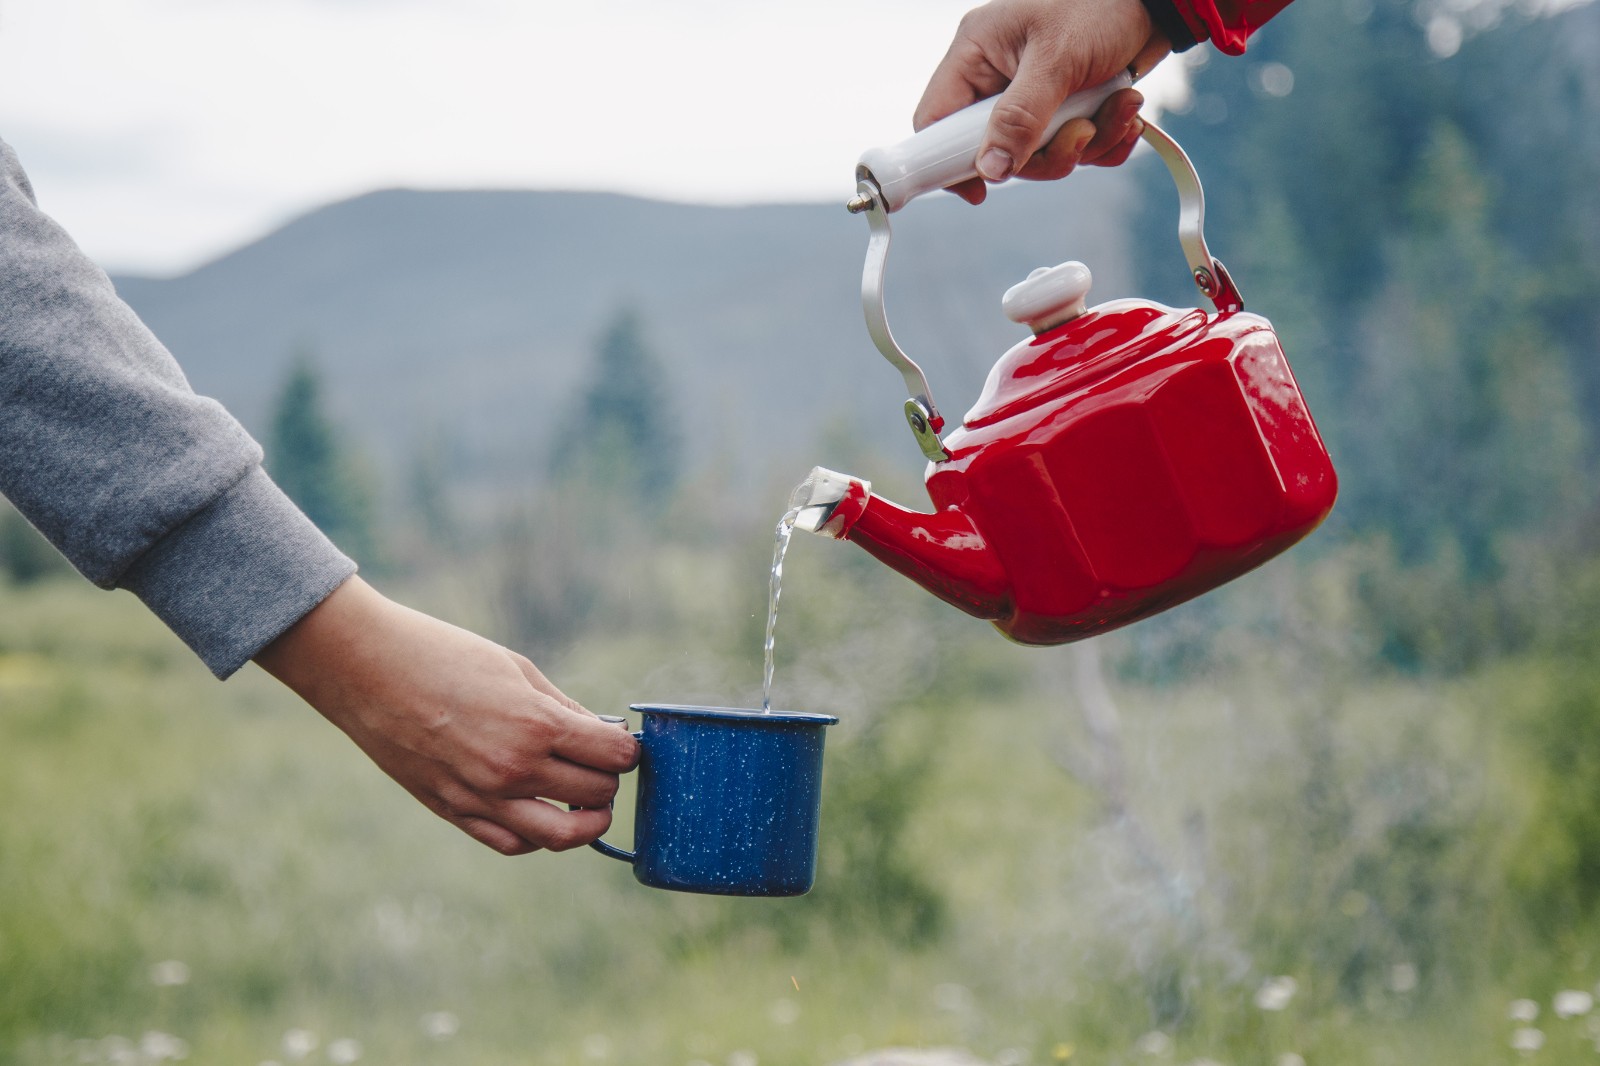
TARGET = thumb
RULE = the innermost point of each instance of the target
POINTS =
(1017, 124)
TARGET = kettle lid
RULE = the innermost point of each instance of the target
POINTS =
(1097, 343)
(1049, 296)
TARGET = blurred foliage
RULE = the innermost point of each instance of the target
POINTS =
(428, 497)
(1414, 853)
(621, 436)
(308, 458)
(25, 556)
(1558, 867)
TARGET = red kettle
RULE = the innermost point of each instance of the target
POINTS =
(1124, 459)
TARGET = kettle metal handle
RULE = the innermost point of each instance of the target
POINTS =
(932, 151)
(921, 414)
(1209, 274)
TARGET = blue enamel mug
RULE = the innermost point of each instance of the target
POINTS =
(728, 800)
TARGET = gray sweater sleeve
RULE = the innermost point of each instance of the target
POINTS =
(141, 483)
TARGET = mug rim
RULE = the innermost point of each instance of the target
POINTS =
(682, 710)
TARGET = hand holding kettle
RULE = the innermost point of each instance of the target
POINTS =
(1034, 54)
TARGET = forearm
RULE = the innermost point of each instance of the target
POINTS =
(138, 481)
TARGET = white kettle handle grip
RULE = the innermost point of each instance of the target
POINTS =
(947, 151)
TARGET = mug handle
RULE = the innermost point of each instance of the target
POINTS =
(600, 845)
(612, 850)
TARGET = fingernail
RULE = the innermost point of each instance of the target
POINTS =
(994, 165)
(1081, 142)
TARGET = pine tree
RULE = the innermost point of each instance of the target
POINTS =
(1465, 429)
(307, 459)
(621, 436)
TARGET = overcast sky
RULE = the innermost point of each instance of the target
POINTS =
(164, 132)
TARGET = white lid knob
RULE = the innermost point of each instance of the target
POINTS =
(1049, 296)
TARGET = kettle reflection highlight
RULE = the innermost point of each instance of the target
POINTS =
(1124, 459)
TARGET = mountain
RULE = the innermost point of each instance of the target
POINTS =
(470, 317)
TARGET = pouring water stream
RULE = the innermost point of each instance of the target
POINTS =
(780, 548)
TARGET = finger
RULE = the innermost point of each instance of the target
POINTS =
(545, 825)
(963, 77)
(1061, 155)
(1016, 126)
(1111, 123)
(1119, 155)
(1154, 51)
(494, 836)
(566, 782)
(587, 741)
(537, 679)
(973, 190)
(948, 92)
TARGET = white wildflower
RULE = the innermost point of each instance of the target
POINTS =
(1155, 1042)
(298, 1043)
(344, 1051)
(1527, 1040)
(1572, 1003)
(169, 973)
(1522, 1010)
(952, 997)
(1011, 1056)
(440, 1024)
(1291, 1058)
(163, 1047)
(1402, 977)
(119, 1051)
(1276, 992)
(784, 1011)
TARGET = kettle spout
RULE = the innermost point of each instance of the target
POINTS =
(943, 552)
(828, 503)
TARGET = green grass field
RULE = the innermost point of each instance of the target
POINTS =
(210, 870)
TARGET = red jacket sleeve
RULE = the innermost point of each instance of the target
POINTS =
(1227, 23)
